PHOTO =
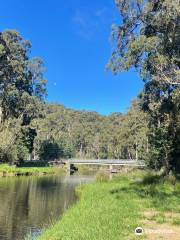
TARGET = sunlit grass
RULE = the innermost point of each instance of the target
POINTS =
(112, 210)
(13, 169)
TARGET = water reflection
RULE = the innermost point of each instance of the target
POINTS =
(28, 204)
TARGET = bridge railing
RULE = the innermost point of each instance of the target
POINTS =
(107, 161)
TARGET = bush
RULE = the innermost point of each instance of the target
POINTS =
(8, 154)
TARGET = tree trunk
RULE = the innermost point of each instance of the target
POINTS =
(136, 151)
(147, 146)
(0, 114)
(167, 165)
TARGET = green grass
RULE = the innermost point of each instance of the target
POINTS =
(13, 169)
(112, 210)
(83, 169)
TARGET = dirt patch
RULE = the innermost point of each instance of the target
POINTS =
(154, 231)
(157, 231)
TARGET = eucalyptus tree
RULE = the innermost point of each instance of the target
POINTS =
(22, 86)
(21, 78)
(148, 38)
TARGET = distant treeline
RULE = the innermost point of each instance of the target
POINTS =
(66, 133)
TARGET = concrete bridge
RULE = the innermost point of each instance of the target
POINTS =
(107, 162)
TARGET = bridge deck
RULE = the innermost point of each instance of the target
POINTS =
(119, 162)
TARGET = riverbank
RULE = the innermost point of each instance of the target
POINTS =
(111, 210)
(11, 171)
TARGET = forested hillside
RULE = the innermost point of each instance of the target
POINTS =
(65, 133)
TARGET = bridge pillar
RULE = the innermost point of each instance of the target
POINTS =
(110, 176)
(68, 165)
(111, 168)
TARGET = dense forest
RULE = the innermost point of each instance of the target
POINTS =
(148, 39)
(65, 133)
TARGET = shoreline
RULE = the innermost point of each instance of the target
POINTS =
(112, 210)
(13, 171)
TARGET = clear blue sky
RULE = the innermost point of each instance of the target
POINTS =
(73, 38)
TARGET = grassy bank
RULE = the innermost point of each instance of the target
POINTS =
(7, 170)
(112, 210)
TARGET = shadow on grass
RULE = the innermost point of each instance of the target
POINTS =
(145, 192)
(152, 189)
(151, 179)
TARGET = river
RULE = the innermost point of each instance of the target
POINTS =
(29, 204)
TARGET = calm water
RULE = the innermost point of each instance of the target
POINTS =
(28, 204)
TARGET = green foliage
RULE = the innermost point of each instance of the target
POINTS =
(22, 152)
(89, 135)
(148, 39)
(31, 170)
(9, 131)
(21, 80)
(50, 151)
(22, 91)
